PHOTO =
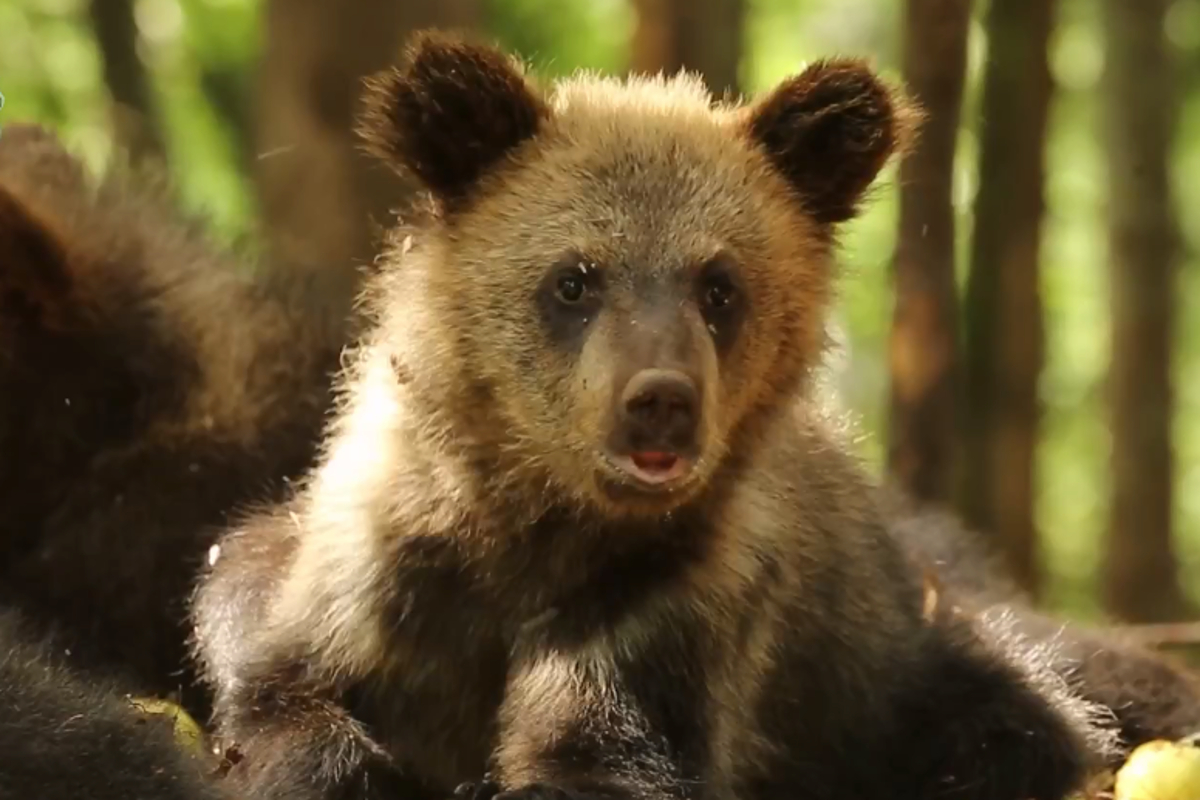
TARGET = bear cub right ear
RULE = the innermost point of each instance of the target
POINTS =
(830, 130)
(451, 112)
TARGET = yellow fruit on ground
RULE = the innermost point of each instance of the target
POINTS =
(187, 733)
(1160, 770)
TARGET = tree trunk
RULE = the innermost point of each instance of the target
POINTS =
(1003, 348)
(922, 350)
(1141, 583)
(134, 117)
(322, 199)
(700, 35)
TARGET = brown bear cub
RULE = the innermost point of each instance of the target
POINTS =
(149, 385)
(1150, 696)
(63, 737)
(572, 534)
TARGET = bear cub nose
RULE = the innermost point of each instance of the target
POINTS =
(660, 409)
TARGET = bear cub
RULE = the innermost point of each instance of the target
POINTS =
(578, 530)
(149, 385)
(1147, 695)
(64, 736)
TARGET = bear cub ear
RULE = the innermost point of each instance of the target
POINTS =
(451, 111)
(829, 131)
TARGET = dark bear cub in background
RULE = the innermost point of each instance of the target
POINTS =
(1149, 696)
(64, 737)
(575, 526)
(149, 385)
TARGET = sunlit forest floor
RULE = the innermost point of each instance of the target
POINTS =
(50, 72)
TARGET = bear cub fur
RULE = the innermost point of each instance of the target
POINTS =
(67, 737)
(1146, 694)
(578, 529)
(149, 385)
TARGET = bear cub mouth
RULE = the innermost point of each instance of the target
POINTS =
(655, 470)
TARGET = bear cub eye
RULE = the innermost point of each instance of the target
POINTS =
(568, 297)
(721, 299)
(571, 287)
(717, 284)
(719, 293)
(574, 280)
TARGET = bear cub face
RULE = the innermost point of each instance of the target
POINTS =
(629, 272)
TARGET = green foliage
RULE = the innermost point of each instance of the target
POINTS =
(202, 52)
(50, 72)
(559, 37)
(190, 45)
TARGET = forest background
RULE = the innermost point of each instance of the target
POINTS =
(1019, 301)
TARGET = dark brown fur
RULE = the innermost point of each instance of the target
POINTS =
(63, 737)
(485, 130)
(471, 579)
(1150, 696)
(829, 138)
(149, 386)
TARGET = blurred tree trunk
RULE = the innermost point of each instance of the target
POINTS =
(700, 35)
(323, 201)
(1141, 583)
(134, 116)
(923, 348)
(1003, 347)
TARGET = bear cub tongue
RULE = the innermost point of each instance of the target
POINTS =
(654, 462)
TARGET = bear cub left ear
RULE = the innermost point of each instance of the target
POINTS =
(829, 131)
(451, 112)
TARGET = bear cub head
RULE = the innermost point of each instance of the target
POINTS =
(617, 280)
